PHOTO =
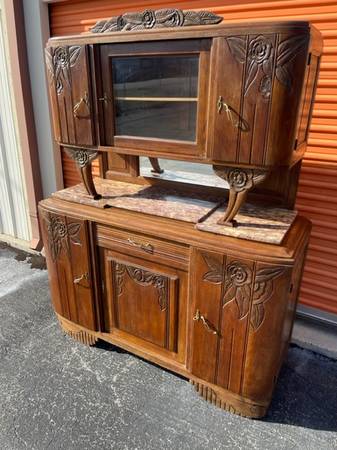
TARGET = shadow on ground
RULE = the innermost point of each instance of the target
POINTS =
(58, 394)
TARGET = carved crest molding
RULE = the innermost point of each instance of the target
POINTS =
(160, 18)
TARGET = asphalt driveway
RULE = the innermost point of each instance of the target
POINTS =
(58, 394)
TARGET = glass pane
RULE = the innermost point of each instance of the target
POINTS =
(156, 96)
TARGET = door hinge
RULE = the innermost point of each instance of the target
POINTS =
(295, 144)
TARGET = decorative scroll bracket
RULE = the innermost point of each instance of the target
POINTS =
(83, 159)
(240, 181)
(161, 18)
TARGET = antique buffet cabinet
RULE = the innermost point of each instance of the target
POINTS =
(192, 278)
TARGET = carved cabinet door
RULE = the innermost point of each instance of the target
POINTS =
(145, 303)
(255, 97)
(237, 302)
(70, 94)
(66, 244)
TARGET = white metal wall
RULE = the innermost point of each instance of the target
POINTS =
(14, 220)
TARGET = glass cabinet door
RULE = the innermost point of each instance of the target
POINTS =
(155, 96)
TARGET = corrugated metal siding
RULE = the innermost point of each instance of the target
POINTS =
(317, 196)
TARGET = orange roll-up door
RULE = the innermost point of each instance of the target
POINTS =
(317, 195)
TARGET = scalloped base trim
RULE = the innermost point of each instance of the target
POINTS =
(232, 405)
(76, 333)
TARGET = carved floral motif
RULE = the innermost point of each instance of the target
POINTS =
(161, 18)
(237, 289)
(259, 56)
(262, 291)
(59, 61)
(59, 232)
(82, 157)
(240, 179)
(242, 287)
(215, 274)
(144, 278)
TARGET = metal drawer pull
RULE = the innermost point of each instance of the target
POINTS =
(85, 101)
(232, 115)
(205, 322)
(146, 247)
(84, 276)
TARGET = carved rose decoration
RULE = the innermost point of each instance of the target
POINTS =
(148, 19)
(237, 287)
(61, 58)
(260, 49)
(260, 56)
(59, 63)
(241, 287)
(82, 158)
(58, 233)
(240, 179)
(239, 274)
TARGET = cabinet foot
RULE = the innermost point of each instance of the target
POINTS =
(240, 181)
(229, 402)
(77, 332)
(83, 159)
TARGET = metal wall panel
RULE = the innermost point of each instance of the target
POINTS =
(317, 196)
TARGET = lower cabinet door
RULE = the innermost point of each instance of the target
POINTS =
(145, 302)
(239, 311)
(66, 244)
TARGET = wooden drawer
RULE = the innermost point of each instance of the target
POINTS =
(153, 249)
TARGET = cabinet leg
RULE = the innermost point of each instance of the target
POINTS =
(240, 181)
(83, 159)
(155, 166)
(76, 332)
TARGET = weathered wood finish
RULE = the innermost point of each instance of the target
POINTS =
(216, 310)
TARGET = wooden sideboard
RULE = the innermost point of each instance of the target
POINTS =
(215, 309)
(206, 286)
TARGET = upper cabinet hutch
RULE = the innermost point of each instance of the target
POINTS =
(181, 85)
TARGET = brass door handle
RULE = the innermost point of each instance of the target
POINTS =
(232, 115)
(209, 327)
(78, 107)
(146, 247)
(84, 276)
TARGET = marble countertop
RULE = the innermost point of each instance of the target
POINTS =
(256, 223)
